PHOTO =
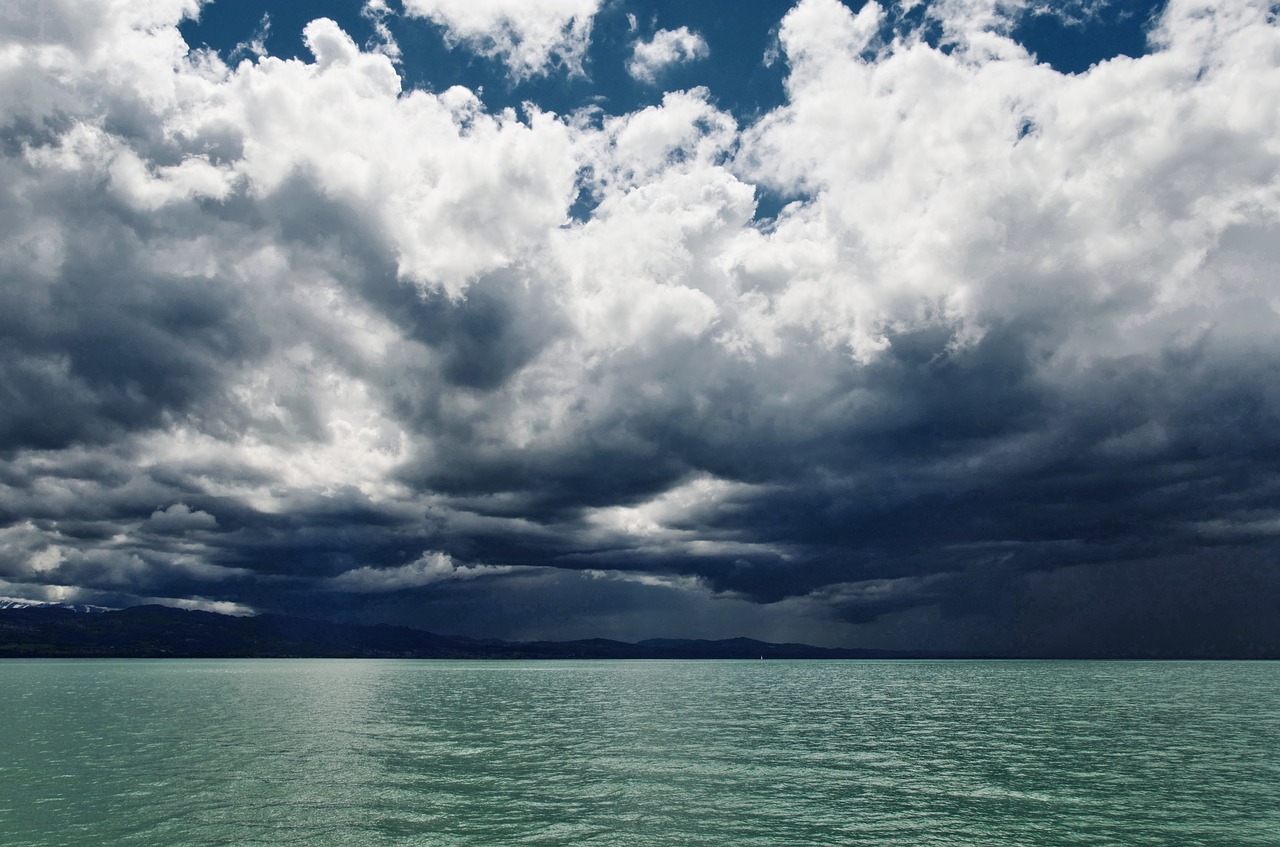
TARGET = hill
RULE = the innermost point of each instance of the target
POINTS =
(164, 632)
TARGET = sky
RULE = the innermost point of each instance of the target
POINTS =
(930, 324)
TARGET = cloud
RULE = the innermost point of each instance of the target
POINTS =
(667, 47)
(1003, 160)
(256, 44)
(221, 607)
(179, 518)
(428, 569)
(532, 37)
(377, 12)
(270, 331)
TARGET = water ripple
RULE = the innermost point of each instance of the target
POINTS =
(369, 753)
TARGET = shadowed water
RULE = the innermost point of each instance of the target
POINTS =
(366, 753)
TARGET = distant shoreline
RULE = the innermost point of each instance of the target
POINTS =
(162, 632)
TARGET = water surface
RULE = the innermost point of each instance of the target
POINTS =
(785, 754)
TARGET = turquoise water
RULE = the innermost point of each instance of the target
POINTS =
(244, 752)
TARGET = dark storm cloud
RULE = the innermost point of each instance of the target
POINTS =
(287, 337)
(99, 341)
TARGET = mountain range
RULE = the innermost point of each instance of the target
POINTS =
(49, 630)
(33, 630)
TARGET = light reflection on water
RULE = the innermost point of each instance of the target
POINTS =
(350, 752)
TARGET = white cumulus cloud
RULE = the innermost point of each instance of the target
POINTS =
(532, 37)
(667, 47)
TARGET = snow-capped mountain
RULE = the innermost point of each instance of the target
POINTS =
(18, 603)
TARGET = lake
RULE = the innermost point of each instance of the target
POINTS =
(636, 753)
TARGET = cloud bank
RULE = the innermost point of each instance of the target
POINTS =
(288, 335)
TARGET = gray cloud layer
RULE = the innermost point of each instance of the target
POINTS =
(286, 336)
